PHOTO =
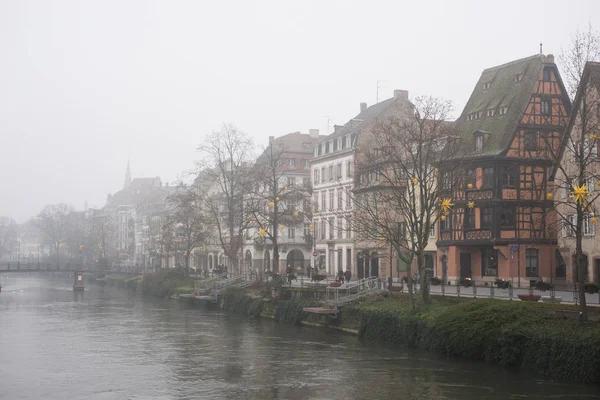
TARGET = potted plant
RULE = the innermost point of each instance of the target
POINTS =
(466, 282)
(530, 297)
(502, 283)
(435, 281)
(590, 288)
(543, 286)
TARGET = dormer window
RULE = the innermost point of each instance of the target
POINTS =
(469, 117)
(490, 113)
(503, 110)
(547, 75)
(335, 145)
(486, 86)
(518, 77)
(479, 142)
(478, 115)
(348, 141)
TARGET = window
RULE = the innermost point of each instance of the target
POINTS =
(469, 117)
(316, 228)
(469, 218)
(323, 175)
(331, 200)
(487, 218)
(338, 172)
(377, 174)
(446, 180)
(343, 141)
(316, 176)
(503, 110)
(335, 145)
(490, 113)
(340, 228)
(323, 200)
(488, 178)
(331, 228)
(348, 198)
(348, 169)
(531, 262)
(305, 164)
(478, 142)
(305, 182)
(478, 115)
(509, 175)
(571, 225)
(348, 141)
(530, 140)
(508, 217)
(518, 77)
(348, 228)
(588, 226)
(323, 229)
(327, 148)
(545, 107)
(291, 233)
(340, 141)
(339, 198)
(316, 200)
(330, 173)
(446, 223)
(486, 86)
(291, 182)
(432, 231)
(489, 262)
(471, 178)
(291, 162)
(547, 75)
(316, 152)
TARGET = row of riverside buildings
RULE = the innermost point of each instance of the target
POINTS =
(516, 125)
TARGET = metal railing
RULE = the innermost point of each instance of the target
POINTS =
(355, 290)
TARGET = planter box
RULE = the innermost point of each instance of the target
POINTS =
(548, 299)
(530, 297)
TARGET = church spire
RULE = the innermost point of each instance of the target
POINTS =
(127, 176)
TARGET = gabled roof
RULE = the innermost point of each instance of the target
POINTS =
(503, 91)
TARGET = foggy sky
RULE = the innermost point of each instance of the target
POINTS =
(85, 85)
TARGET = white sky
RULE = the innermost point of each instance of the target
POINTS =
(85, 85)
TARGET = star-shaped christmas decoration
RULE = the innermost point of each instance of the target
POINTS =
(580, 193)
(471, 204)
(549, 196)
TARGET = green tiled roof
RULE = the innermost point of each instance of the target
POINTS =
(503, 91)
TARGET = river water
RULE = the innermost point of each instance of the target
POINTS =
(107, 343)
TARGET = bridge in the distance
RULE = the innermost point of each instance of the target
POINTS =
(15, 266)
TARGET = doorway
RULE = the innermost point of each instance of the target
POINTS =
(374, 264)
(465, 265)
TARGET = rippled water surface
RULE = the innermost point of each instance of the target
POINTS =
(109, 344)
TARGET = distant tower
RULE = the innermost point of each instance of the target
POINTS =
(127, 176)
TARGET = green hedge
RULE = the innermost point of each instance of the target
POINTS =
(291, 311)
(507, 333)
(164, 282)
(235, 300)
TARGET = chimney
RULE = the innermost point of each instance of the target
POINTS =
(363, 107)
(314, 133)
(271, 139)
(401, 94)
(337, 128)
(550, 58)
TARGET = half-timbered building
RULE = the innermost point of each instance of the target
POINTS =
(500, 224)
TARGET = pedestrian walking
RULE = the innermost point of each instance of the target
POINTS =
(308, 270)
(348, 275)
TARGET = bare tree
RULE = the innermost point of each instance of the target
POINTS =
(225, 165)
(53, 220)
(397, 197)
(8, 235)
(275, 204)
(578, 172)
(190, 223)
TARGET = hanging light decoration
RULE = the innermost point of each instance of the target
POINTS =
(580, 193)
(471, 204)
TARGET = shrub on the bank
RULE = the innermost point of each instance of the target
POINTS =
(291, 311)
(235, 300)
(591, 288)
(543, 286)
(163, 282)
(508, 333)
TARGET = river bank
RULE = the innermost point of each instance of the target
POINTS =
(511, 334)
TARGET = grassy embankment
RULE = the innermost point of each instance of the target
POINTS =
(512, 334)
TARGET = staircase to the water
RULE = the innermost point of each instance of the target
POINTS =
(338, 296)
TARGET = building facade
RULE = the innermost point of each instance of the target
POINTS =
(501, 224)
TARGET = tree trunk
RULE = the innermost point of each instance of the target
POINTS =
(578, 262)
(423, 278)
